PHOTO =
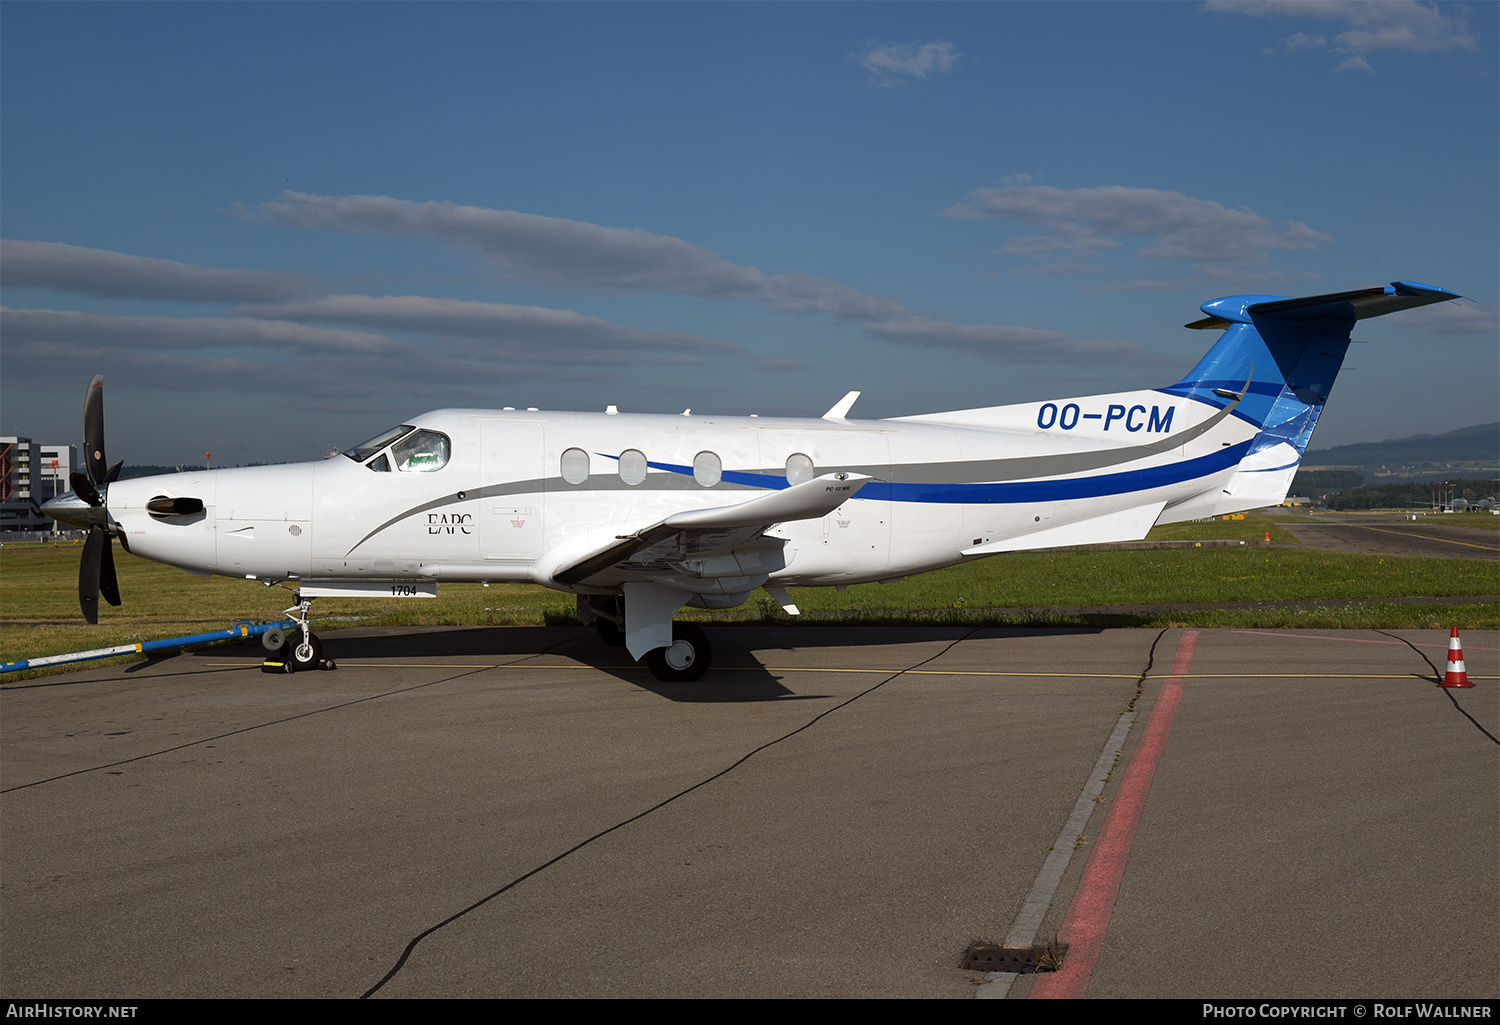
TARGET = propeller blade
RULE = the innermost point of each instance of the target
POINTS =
(88, 573)
(84, 490)
(113, 471)
(93, 431)
(109, 585)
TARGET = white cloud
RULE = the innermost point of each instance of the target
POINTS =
(544, 250)
(451, 352)
(29, 326)
(536, 333)
(563, 253)
(893, 64)
(1020, 344)
(99, 272)
(1454, 318)
(1368, 25)
(1174, 225)
(1303, 41)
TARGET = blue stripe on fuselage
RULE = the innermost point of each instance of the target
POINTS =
(1011, 492)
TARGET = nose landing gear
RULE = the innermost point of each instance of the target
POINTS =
(299, 648)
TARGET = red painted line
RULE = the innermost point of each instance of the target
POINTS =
(1088, 915)
(1351, 640)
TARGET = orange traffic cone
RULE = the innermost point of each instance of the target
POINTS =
(1457, 675)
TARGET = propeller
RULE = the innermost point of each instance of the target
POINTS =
(96, 573)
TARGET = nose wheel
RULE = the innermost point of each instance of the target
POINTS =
(303, 650)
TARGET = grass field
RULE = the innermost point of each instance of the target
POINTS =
(1471, 521)
(39, 603)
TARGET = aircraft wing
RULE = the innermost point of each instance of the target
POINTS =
(724, 541)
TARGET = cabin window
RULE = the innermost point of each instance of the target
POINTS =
(422, 452)
(632, 466)
(799, 468)
(707, 469)
(359, 453)
(575, 466)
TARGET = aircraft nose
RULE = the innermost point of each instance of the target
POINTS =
(68, 508)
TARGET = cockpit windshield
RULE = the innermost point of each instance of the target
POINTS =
(421, 452)
(407, 448)
(359, 453)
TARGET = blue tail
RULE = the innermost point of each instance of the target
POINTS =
(1279, 356)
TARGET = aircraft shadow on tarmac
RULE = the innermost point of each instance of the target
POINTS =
(740, 673)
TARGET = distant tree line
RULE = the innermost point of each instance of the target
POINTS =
(1384, 496)
(1313, 483)
(148, 470)
(128, 471)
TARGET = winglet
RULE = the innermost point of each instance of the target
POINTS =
(805, 501)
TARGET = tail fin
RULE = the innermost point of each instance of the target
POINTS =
(1277, 358)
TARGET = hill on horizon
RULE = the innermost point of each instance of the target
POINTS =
(1477, 444)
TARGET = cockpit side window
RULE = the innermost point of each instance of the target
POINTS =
(359, 453)
(380, 464)
(421, 452)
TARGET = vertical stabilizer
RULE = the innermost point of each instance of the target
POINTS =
(1278, 359)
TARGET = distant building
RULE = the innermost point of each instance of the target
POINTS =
(30, 474)
(57, 462)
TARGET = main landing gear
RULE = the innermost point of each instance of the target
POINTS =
(686, 659)
(297, 649)
(609, 620)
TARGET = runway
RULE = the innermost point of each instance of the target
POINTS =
(1437, 537)
(831, 812)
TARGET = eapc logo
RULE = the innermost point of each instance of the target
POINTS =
(448, 523)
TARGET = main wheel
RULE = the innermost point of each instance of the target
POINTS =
(685, 660)
(302, 651)
(610, 632)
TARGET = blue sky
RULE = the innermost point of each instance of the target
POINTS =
(280, 228)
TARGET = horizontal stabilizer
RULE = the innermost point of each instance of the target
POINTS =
(1363, 303)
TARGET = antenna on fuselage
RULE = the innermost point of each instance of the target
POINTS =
(841, 408)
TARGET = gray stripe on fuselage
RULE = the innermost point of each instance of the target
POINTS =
(953, 472)
(551, 486)
(993, 471)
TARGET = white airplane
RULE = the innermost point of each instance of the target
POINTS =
(640, 515)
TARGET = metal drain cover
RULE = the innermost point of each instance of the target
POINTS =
(990, 957)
